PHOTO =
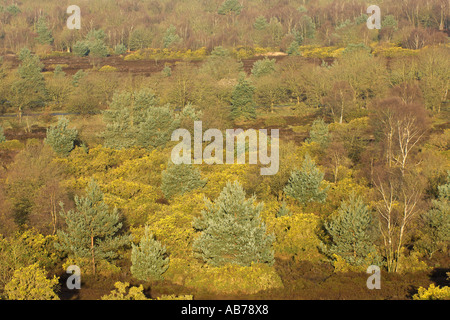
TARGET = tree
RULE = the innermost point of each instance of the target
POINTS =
(92, 229)
(179, 179)
(397, 206)
(319, 133)
(29, 88)
(31, 283)
(61, 138)
(351, 232)
(306, 185)
(2, 135)
(263, 67)
(171, 37)
(232, 230)
(44, 34)
(242, 103)
(436, 222)
(148, 259)
(269, 91)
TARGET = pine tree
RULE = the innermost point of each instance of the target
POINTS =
(319, 133)
(77, 77)
(126, 112)
(58, 72)
(232, 230)
(263, 67)
(437, 222)
(171, 37)
(44, 34)
(148, 259)
(2, 135)
(181, 178)
(242, 103)
(61, 138)
(92, 229)
(305, 185)
(30, 87)
(351, 232)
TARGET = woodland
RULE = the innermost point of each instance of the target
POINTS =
(87, 182)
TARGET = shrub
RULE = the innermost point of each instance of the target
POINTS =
(233, 279)
(31, 283)
(433, 293)
(61, 138)
(148, 259)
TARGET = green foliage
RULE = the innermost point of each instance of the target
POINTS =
(59, 73)
(179, 179)
(81, 48)
(436, 233)
(293, 49)
(232, 230)
(351, 232)
(93, 45)
(31, 283)
(306, 185)
(263, 67)
(242, 102)
(230, 7)
(133, 119)
(29, 88)
(61, 138)
(260, 23)
(120, 49)
(319, 133)
(2, 135)
(171, 37)
(44, 34)
(283, 211)
(92, 229)
(77, 77)
(148, 259)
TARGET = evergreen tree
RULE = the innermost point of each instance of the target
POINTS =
(305, 185)
(2, 135)
(126, 112)
(59, 73)
(242, 102)
(30, 87)
(319, 133)
(171, 37)
(260, 23)
(263, 67)
(232, 230)
(437, 222)
(44, 34)
(148, 259)
(351, 232)
(77, 77)
(293, 49)
(181, 178)
(61, 138)
(230, 7)
(283, 211)
(92, 229)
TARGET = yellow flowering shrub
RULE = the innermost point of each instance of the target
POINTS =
(31, 283)
(234, 279)
(433, 293)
